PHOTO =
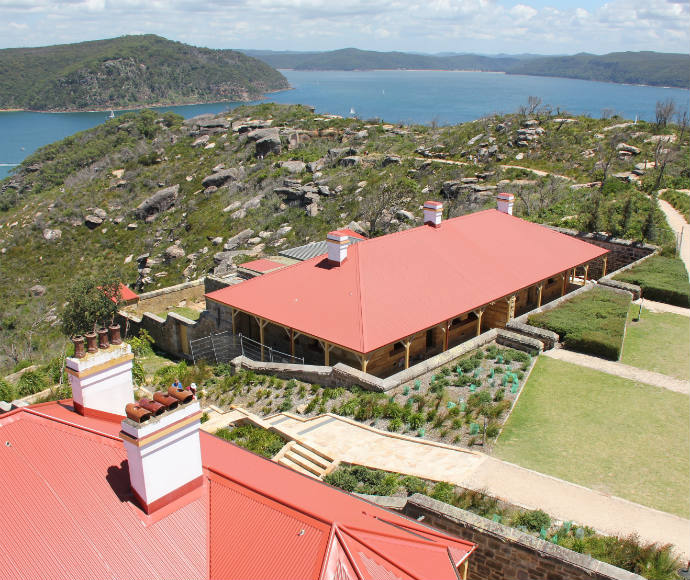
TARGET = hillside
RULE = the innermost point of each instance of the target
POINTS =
(129, 71)
(648, 68)
(642, 68)
(180, 191)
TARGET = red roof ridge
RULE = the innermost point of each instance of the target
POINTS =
(360, 302)
(32, 411)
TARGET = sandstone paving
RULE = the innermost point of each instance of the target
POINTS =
(657, 307)
(680, 227)
(620, 370)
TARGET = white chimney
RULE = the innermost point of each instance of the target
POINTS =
(164, 454)
(432, 213)
(102, 381)
(505, 202)
(337, 242)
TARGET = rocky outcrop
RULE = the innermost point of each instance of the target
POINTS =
(221, 177)
(268, 145)
(238, 239)
(160, 201)
(293, 166)
(92, 221)
(174, 252)
(51, 235)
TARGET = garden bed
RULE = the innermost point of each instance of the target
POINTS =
(592, 322)
(662, 279)
(464, 403)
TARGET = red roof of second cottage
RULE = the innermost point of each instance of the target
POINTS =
(396, 285)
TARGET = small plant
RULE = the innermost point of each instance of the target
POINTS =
(395, 424)
(533, 520)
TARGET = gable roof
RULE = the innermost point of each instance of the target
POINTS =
(73, 515)
(393, 286)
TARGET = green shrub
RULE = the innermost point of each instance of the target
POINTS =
(21, 365)
(395, 424)
(255, 439)
(591, 323)
(7, 391)
(444, 492)
(533, 520)
(492, 430)
(662, 279)
(342, 478)
(32, 382)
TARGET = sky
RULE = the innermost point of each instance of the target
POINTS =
(478, 26)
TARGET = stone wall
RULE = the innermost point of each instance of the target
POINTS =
(622, 252)
(342, 375)
(505, 553)
(159, 300)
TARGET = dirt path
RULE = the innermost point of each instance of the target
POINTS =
(352, 442)
(538, 172)
(680, 227)
(621, 370)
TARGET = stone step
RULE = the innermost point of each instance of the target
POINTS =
(311, 456)
(304, 463)
(287, 462)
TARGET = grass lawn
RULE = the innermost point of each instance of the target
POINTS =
(602, 432)
(190, 313)
(658, 342)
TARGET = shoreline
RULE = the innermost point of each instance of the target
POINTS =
(146, 106)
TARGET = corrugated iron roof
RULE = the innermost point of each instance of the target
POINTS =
(314, 249)
(396, 285)
(73, 514)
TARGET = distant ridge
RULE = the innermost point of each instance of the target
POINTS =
(129, 71)
(646, 68)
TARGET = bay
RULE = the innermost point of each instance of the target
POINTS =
(442, 97)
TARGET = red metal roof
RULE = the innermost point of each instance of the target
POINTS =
(127, 294)
(262, 265)
(73, 515)
(393, 286)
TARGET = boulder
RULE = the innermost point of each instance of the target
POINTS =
(404, 215)
(390, 160)
(174, 252)
(160, 201)
(51, 235)
(238, 239)
(350, 161)
(221, 177)
(37, 290)
(98, 212)
(293, 166)
(283, 231)
(312, 209)
(203, 140)
(259, 134)
(475, 139)
(232, 207)
(253, 202)
(132, 226)
(239, 214)
(334, 154)
(324, 190)
(627, 148)
(357, 227)
(268, 145)
(217, 241)
(92, 221)
(315, 166)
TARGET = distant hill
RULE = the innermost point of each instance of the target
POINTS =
(648, 68)
(645, 68)
(129, 71)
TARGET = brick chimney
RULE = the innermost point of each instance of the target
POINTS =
(163, 450)
(432, 213)
(505, 202)
(337, 242)
(102, 381)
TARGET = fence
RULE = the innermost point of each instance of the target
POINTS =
(225, 346)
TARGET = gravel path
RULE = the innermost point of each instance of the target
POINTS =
(661, 307)
(621, 370)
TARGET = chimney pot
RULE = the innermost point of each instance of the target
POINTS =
(337, 242)
(182, 396)
(91, 342)
(505, 202)
(103, 338)
(169, 402)
(115, 337)
(432, 213)
(79, 347)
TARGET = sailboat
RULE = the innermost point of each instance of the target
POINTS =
(112, 114)
(352, 111)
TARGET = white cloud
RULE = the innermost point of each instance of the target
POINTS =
(433, 25)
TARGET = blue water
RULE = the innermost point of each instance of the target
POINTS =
(444, 97)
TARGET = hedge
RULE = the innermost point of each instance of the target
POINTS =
(591, 323)
(662, 279)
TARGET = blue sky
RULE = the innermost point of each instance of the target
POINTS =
(485, 26)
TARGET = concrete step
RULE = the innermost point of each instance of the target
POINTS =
(304, 463)
(311, 456)
(287, 462)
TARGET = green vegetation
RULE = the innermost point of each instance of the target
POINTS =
(644, 337)
(649, 68)
(592, 322)
(662, 279)
(679, 200)
(129, 71)
(603, 432)
(190, 313)
(255, 439)
(93, 303)
(649, 560)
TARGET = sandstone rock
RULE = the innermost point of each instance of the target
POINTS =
(92, 221)
(217, 241)
(312, 210)
(189, 271)
(253, 241)
(174, 252)
(316, 166)
(37, 290)
(238, 239)
(51, 235)
(132, 226)
(265, 235)
(268, 145)
(203, 140)
(520, 156)
(232, 207)
(334, 154)
(160, 201)
(118, 220)
(404, 215)
(259, 134)
(293, 166)
(475, 139)
(357, 227)
(283, 231)
(390, 160)
(221, 177)
(350, 161)
(253, 202)
(239, 214)
(627, 148)
(129, 258)
(324, 190)
(530, 123)
(664, 138)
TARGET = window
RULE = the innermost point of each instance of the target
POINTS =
(397, 348)
(430, 338)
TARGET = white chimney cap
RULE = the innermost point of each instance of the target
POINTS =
(337, 242)
(432, 213)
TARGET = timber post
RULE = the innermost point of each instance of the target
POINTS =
(478, 313)
(603, 268)
(540, 288)
(586, 272)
